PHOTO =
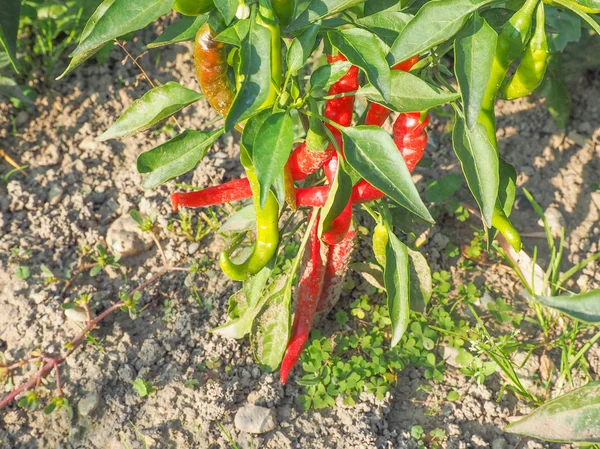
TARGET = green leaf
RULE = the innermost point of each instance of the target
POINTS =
(175, 157)
(245, 304)
(507, 190)
(372, 153)
(386, 25)
(583, 307)
(397, 284)
(421, 282)
(474, 51)
(181, 30)
(22, 272)
(256, 71)
(443, 188)
(252, 129)
(570, 418)
(409, 94)
(301, 48)
(227, 8)
(271, 150)
(479, 161)
(337, 199)
(142, 387)
(318, 9)
(566, 27)
(9, 27)
(328, 74)
(241, 221)
(153, 107)
(112, 19)
(436, 22)
(271, 329)
(235, 34)
(363, 50)
(558, 97)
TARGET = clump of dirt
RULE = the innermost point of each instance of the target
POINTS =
(76, 187)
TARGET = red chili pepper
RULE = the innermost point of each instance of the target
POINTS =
(302, 161)
(239, 189)
(410, 137)
(335, 272)
(378, 114)
(341, 224)
(234, 190)
(308, 295)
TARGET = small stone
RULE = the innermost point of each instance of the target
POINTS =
(89, 143)
(486, 299)
(124, 237)
(449, 354)
(556, 221)
(39, 297)
(76, 314)
(254, 419)
(88, 404)
(499, 443)
(193, 248)
(582, 281)
(55, 194)
(21, 118)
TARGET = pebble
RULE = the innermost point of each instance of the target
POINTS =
(21, 118)
(555, 219)
(124, 237)
(254, 419)
(55, 194)
(449, 354)
(89, 143)
(193, 248)
(76, 314)
(499, 443)
(88, 404)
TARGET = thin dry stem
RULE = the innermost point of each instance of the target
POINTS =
(9, 159)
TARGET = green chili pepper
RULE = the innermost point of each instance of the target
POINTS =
(193, 7)
(380, 241)
(501, 222)
(532, 67)
(266, 18)
(510, 46)
(267, 224)
(284, 10)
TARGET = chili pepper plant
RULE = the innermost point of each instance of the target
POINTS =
(306, 86)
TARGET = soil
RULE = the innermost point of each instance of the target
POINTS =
(75, 187)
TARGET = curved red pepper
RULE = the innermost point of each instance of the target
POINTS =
(308, 294)
(239, 189)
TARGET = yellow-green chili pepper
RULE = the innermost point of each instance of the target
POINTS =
(532, 67)
(285, 10)
(266, 18)
(267, 225)
(380, 241)
(510, 45)
(501, 222)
